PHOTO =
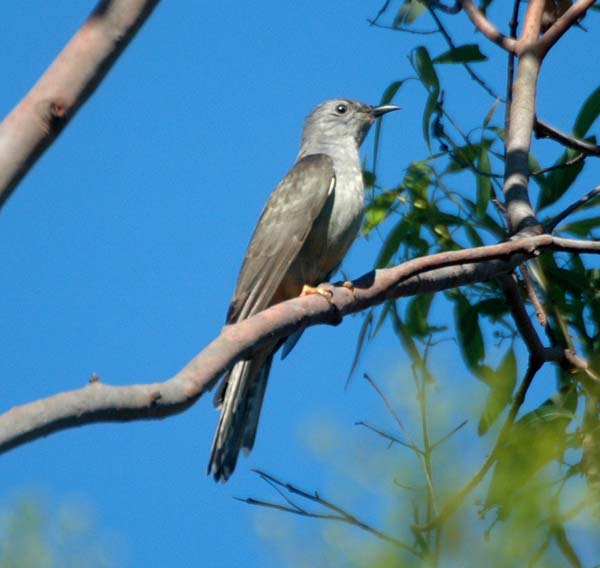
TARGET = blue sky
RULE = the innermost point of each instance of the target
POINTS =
(121, 249)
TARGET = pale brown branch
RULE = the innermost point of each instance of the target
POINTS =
(486, 27)
(99, 402)
(518, 141)
(562, 24)
(532, 24)
(69, 81)
(519, 313)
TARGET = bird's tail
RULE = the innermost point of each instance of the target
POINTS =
(240, 398)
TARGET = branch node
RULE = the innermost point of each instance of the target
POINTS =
(94, 378)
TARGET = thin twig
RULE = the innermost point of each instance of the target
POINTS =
(404, 29)
(589, 196)
(393, 412)
(432, 6)
(455, 502)
(339, 514)
(510, 70)
(392, 439)
(579, 158)
(448, 435)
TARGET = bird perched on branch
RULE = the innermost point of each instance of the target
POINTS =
(304, 232)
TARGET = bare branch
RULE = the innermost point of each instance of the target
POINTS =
(337, 514)
(564, 23)
(510, 68)
(520, 213)
(404, 29)
(551, 224)
(389, 437)
(455, 502)
(540, 311)
(544, 130)
(69, 81)
(432, 6)
(99, 402)
(521, 317)
(564, 165)
(395, 415)
(487, 28)
(454, 9)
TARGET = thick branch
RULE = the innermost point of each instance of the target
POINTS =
(487, 28)
(98, 402)
(74, 75)
(566, 21)
(522, 115)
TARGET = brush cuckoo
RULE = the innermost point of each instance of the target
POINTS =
(304, 232)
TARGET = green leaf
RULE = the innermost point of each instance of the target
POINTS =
(581, 228)
(425, 70)
(493, 308)
(430, 106)
(461, 54)
(484, 182)
(473, 236)
(368, 179)
(504, 383)
(390, 92)
(558, 181)
(409, 12)
(387, 96)
(464, 157)
(470, 338)
(424, 67)
(417, 313)
(394, 239)
(536, 439)
(378, 210)
(587, 114)
(363, 336)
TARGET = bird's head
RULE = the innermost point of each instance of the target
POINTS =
(339, 120)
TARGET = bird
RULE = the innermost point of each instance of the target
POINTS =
(306, 228)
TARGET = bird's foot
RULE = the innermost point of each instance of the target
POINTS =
(324, 290)
(349, 286)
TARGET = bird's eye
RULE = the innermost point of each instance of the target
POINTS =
(341, 109)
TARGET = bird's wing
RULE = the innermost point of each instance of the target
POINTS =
(280, 233)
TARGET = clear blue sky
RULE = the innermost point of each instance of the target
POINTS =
(122, 246)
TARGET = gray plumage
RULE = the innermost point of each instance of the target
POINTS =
(304, 232)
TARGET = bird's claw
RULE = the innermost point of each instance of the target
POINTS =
(324, 290)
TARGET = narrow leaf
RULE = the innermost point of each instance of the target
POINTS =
(484, 182)
(587, 114)
(461, 54)
(469, 333)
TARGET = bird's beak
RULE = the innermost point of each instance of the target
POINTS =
(383, 109)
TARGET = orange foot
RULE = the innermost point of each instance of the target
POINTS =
(324, 290)
(349, 286)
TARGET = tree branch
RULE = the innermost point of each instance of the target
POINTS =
(564, 23)
(69, 81)
(99, 402)
(487, 28)
(544, 130)
(519, 211)
(589, 196)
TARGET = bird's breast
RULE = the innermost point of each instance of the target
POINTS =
(334, 230)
